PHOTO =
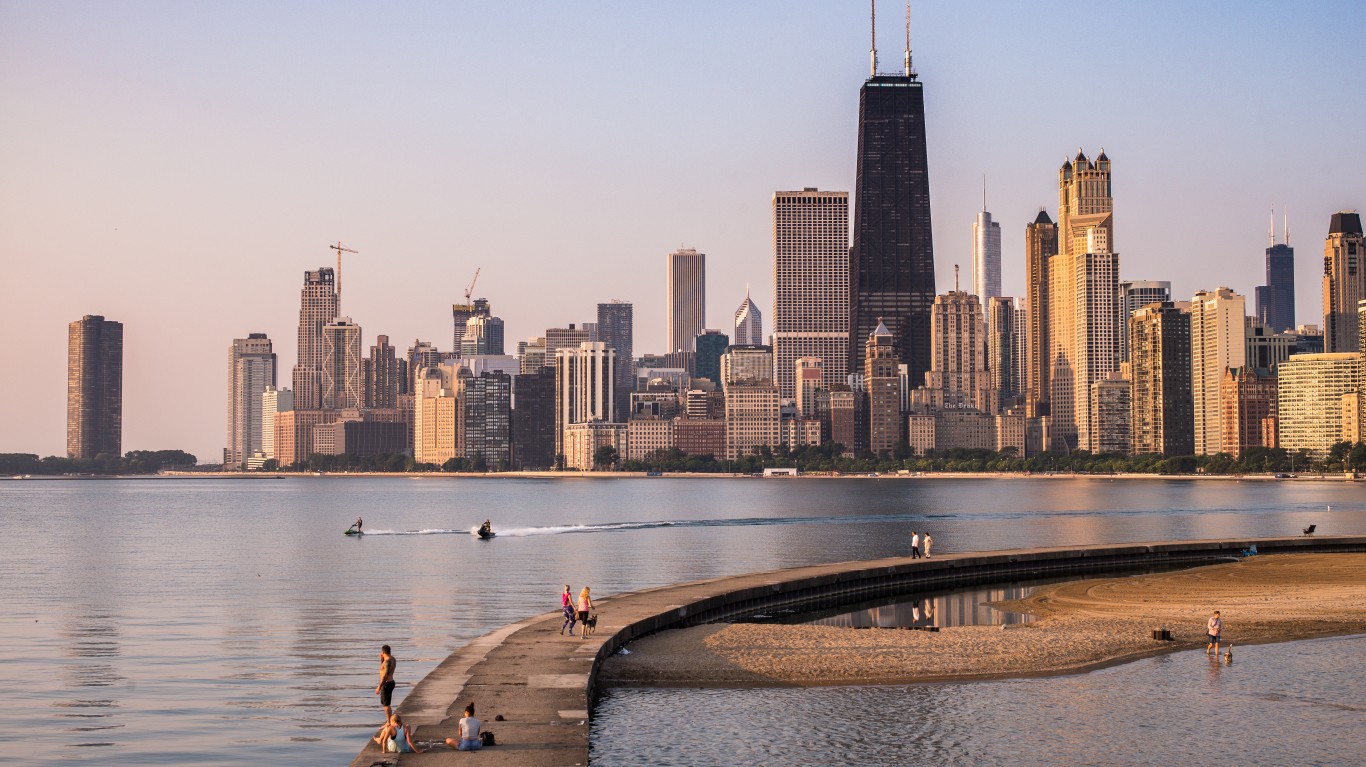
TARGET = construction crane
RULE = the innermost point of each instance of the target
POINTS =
(340, 250)
(469, 291)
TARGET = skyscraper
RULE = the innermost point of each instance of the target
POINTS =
(1041, 244)
(460, 318)
(584, 387)
(893, 251)
(1309, 393)
(341, 365)
(483, 336)
(1218, 342)
(687, 271)
(94, 387)
(1134, 295)
(273, 402)
(1001, 339)
(711, 344)
(749, 324)
(1085, 203)
(533, 420)
(251, 369)
(616, 328)
(986, 255)
(810, 284)
(317, 308)
(958, 376)
(1276, 299)
(383, 378)
(1344, 282)
(753, 417)
(1160, 369)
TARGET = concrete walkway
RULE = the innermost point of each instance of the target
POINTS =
(543, 684)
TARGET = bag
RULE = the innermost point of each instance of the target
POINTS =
(391, 746)
(486, 737)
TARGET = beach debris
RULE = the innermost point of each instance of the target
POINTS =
(1162, 634)
(623, 651)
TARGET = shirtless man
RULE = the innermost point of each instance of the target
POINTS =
(385, 688)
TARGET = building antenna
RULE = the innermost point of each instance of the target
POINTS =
(1286, 211)
(984, 193)
(955, 278)
(1271, 228)
(908, 38)
(872, 50)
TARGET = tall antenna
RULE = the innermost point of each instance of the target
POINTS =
(984, 193)
(955, 278)
(1271, 228)
(872, 50)
(1286, 211)
(908, 38)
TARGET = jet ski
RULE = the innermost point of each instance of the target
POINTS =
(352, 531)
(485, 532)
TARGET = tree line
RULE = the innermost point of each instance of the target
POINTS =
(132, 462)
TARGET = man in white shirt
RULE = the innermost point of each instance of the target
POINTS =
(915, 545)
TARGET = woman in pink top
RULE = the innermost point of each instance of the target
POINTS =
(567, 606)
(585, 605)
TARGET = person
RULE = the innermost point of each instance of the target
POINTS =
(585, 605)
(485, 528)
(567, 606)
(915, 545)
(359, 523)
(1215, 629)
(385, 688)
(467, 732)
(928, 543)
(395, 738)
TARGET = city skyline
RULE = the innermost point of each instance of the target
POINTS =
(190, 249)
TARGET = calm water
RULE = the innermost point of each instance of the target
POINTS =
(223, 622)
(1301, 703)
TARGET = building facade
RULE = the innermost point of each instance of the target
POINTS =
(882, 382)
(711, 344)
(958, 376)
(341, 368)
(273, 402)
(94, 387)
(585, 388)
(1344, 282)
(1218, 342)
(251, 369)
(1309, 393)
(1041, 244)
(1112, 413)
(616, 328)
(1276, 299)
(1248, 410)
(986, 257)
(317, 309)
(1160, 371)
(810, 283)
(687, 299)
(1134, 295)
(533, 420)
(749, 324)
(1083, 329)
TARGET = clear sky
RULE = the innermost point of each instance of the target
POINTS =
(178, 166)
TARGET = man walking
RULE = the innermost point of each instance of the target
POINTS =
(915, 545)
(1215, 629)
(385, 688)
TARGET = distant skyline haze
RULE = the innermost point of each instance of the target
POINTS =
(178, 167)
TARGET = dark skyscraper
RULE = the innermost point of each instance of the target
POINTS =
(616, 328)
(1276, 299)
(892, 275)
(94, 387)
(710, 346)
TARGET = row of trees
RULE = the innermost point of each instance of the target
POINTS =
(134, 462)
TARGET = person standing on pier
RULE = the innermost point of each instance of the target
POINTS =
(928, 543)
(585, 606)
(915, 545)
(385, 688)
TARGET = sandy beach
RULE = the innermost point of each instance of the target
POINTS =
(1078, 626)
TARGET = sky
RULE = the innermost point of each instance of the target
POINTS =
(179, 166)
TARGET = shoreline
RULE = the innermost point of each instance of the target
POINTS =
(1080, 626)
(609, 475)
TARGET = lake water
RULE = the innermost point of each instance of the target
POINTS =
(229, 621)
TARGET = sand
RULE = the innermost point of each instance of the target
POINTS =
(1079, 625)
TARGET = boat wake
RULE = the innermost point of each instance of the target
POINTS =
(621, 527)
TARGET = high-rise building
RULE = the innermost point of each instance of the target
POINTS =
(585, 387)
(616, 328)
(1218, 342)
(750, 364)
(1085, 204)
(1160, 371)
(384, 378)
(1265, 349)
(1112, 414)
(436, 415)
(273, 402)
(882, 380)
(341, 365)
(533, 420)
(483, 336)
(531, 356)
(1276, 299)
(753, 417)
(711, 345)
(460, 319)
(94, 387)
(687, 271)
(986, 255)
(1084, 332)
(251, 368)
(486, 405)
(563, 338)
(1309, 393)
(1248, 402)
(1041, 244)
(958, 376)
(1134, 295)
(317, 308)
(810, 283)
(749, 324)
(1002, 340)
(810, 384)
(1344, 282)
(892, 278)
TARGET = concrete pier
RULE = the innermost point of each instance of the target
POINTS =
(543, 684)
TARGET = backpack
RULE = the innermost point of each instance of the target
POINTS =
(486, 737)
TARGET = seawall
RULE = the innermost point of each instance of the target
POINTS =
(544, 684)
